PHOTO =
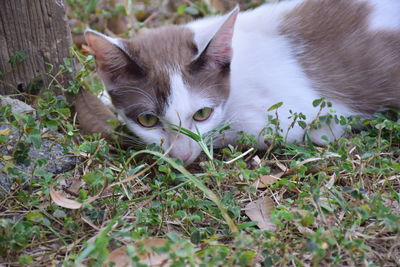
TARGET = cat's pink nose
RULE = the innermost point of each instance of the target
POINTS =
(184, 156)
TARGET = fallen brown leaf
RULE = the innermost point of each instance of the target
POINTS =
(293, 170)
(120, 257)
(281, 166)
(308, 161)
(265, 180)
(75, 186)
(5, 132)
(63, 201)
(260, 211)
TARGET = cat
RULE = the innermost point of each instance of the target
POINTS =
(233, 68)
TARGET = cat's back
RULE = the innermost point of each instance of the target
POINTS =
(350, 50)
(345, 50)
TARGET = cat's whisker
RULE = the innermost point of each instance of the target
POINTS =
(206, 79)
(141, 104)
(120, 90)
(205, 89)
(134, 89)
(131, 139)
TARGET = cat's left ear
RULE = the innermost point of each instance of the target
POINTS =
(216, 48)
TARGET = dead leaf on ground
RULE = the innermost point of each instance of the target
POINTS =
(281, 166)
(308, 161)
(260, 211)
(75, 186)
(5, 132)
(265, 180)
(120, 257)
(63, 201)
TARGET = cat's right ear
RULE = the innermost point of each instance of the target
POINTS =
(112, 61)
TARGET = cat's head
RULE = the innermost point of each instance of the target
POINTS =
(174, 75)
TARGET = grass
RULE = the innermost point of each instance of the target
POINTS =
(334, 205)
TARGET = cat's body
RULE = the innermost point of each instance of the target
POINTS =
(294, 52)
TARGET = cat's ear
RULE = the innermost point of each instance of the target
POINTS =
(216, 48)
(112, 61)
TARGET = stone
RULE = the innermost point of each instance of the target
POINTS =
(57, 161)
(17, 106)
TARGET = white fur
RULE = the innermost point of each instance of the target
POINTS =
(385, 14)
(266, 76)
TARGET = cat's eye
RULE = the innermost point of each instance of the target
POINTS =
(147, 120)
(202, 114)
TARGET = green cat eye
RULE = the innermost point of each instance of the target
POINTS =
(147, 120)
(202, 114)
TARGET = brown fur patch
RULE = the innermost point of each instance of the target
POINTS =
(345, 60)
(93, 115)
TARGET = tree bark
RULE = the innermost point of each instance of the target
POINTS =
(34, 39)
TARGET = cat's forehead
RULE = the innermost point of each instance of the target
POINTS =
(166, 56)
(165, 47)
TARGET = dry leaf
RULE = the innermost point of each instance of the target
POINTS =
(64, 202)
(260, 211)
(5, 132)
(7, 158)
(293, 170)
(120, 258)
(265, 180)
(308, 161)
(75, 186)
(281, 166)
(256, 161)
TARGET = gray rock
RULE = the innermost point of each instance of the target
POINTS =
(17, 106)
(50, 150)
(57, 160)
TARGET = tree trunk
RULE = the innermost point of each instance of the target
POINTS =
(34, 39)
